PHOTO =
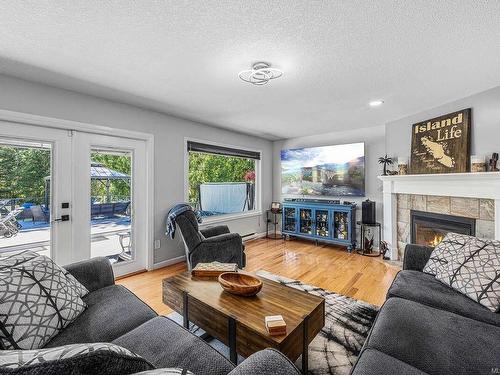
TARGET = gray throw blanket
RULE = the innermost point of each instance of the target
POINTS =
(172, 215)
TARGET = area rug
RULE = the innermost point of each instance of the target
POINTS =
(336, 348)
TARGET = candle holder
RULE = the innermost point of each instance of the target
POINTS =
(477, 164)
(402, 166)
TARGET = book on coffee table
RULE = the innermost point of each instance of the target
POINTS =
(213, 269)
(275, 325)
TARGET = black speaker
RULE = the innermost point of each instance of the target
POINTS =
(368, 212)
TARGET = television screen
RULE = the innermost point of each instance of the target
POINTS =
(324, 171)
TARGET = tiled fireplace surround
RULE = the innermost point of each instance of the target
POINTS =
(473, 195)
(483, 210)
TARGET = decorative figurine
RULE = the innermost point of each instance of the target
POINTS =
(493, 162)
(386, 161)
(368, 242)
(384, 248)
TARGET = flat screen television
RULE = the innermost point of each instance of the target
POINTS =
(331, 171)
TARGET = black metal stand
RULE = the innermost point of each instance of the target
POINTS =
(305, 346)
(363, 251)
(272, 217)
(233, 355)
(185, 312)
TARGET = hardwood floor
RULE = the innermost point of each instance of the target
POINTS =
(325, 266)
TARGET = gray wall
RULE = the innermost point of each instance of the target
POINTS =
(374, 139)
(485, 124)
(38, 99)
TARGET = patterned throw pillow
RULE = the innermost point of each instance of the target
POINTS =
(81, 290)
(37, 300)
(451, 244)
(94, 358)
(475, 272)
(166, 371)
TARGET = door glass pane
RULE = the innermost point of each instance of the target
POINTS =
(322, 223)
(25, 198)
(290, 221)
(110, 205)
(305, 221)
(341, 225)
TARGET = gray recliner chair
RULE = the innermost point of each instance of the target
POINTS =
(214, 244)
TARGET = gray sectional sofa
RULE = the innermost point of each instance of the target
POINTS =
(116, 315)
(426, 327)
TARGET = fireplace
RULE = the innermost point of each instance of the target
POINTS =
(430, 228)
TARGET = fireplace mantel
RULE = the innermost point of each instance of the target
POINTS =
(484, 185)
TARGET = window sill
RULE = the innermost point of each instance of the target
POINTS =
(229, 217)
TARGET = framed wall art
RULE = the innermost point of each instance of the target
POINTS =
(442, 144)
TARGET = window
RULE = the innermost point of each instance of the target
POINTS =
(221, 180)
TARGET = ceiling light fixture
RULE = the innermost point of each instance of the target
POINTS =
(376, 103)
(260, 74)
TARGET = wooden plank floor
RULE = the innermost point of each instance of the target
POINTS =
(326, 266)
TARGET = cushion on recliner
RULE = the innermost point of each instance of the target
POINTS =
(112, 311)
(166, 344)
(426, 289)
(373, 362)
(435, 341)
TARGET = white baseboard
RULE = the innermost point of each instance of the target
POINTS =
(257, 236)
(169, 262)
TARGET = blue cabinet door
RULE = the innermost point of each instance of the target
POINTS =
(341, 223)
(306, 221)
(289, 219)
(322, 227)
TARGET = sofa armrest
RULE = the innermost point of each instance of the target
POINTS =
(214, 231)
(266, 362)
(416, 256)
(95, 273)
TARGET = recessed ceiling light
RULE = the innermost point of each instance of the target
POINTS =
(376, 103)
(260, 74)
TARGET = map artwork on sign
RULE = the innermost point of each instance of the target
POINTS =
(442, 144)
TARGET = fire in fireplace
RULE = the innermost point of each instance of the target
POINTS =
(430, 228)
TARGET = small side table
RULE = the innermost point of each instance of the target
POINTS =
(363, 251)
(272, 217)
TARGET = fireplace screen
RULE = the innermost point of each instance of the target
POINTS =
(430, 228)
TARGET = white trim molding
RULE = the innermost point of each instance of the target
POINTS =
(484, 185)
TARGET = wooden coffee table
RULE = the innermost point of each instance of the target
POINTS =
(238, 321)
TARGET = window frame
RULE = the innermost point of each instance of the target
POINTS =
(257, 211)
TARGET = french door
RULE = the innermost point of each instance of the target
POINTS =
(74, 195)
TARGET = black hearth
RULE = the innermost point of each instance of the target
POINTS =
(430, 228)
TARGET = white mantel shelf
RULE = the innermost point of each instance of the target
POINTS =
(484, 185)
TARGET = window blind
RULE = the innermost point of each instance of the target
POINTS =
(219, 150)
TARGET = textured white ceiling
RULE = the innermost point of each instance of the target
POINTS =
(183, 57)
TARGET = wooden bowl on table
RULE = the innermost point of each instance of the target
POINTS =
(240, 284)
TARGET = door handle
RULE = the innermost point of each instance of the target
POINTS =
(62, 218)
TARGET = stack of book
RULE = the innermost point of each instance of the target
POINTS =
(213, 270)
(275, 325)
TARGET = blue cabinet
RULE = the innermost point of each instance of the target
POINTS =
(332, 223)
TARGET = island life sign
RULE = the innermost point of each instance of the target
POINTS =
(442, 144)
